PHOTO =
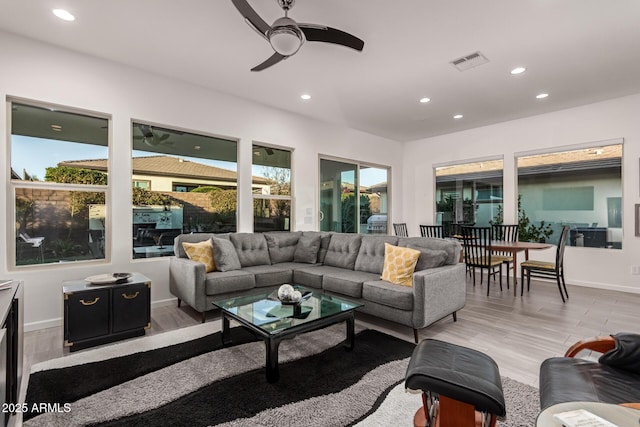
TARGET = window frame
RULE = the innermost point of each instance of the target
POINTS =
(179, 129)
(460, 163)
(53, 186)
(575, 147)
(358, 164)
(261, 196)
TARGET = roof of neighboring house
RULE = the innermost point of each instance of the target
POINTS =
(167, 166)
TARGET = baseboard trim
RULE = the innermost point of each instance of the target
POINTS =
(58, 322)
(607, 286)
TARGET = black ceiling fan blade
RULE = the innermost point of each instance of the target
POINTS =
(273, 59)
(252, 17)
(319, 33)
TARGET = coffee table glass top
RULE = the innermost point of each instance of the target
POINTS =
(266, 312)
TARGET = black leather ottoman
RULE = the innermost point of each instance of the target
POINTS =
(460, 379)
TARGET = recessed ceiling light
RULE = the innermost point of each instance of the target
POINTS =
(542, 95)
(425, 100)
(518, 70)
(64, 15)
(458, 116)
(196, 147)
(305, 96)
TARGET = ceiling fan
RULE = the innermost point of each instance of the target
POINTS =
(286, 36)
(152, 137)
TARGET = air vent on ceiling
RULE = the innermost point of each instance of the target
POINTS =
(469, 61)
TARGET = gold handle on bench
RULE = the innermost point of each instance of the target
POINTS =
(83, 302)
(130, 296)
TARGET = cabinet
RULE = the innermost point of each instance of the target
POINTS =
(11, 345)
(99, 314)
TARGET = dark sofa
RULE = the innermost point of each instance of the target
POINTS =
(613, 378)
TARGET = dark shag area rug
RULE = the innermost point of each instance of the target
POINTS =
(200, 383)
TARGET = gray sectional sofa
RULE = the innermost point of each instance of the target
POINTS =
(346, 264)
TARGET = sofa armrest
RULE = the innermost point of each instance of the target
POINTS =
(598, 344)
(186, 281)
(438, 292)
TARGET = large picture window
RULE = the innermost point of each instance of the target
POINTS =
(59, 192)
(271, 187)
(468, 194)
(580, 188)
(183, 182)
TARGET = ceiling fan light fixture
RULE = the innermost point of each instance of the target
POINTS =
(285, 36)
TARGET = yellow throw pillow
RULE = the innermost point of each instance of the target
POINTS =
(201, 252)
(399, 264)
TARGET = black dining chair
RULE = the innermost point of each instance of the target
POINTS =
(477, 253)
(401, 229)
(507, 233)
(545, 269)
(431, 231)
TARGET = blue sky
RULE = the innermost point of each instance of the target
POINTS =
(36, 154)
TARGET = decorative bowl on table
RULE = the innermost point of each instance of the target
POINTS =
(108, 279)
(288, 295)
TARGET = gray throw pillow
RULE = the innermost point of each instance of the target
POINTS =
(429, 258)
(224, 255)
(626, 354)
(307, 249)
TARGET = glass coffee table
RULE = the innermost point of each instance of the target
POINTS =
(268, 318)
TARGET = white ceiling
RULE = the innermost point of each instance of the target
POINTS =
(579, 51)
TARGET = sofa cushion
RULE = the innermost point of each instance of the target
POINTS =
(224, 254)
(343, 251)
(626, 354)
(325, 240)
(451, 246)
(388, 294)
(429, 258)
(307, 249)
(222, 282)
(346, 282)
(310, 276)
(371, 254)
(251, 248)
(399, 264)
(201, 252)
(178, 250)
(270, 275)
(282, 245)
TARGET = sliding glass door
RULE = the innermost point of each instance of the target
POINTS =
(338, 184)
(353, 197)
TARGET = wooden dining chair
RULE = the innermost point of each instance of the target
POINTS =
(478, 254)
(544, 269)
(508, 233)
(432, 231)
(400, 229)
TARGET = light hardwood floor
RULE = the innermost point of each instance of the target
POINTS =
(518, 332)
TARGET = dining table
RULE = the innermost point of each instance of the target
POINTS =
(514, 248)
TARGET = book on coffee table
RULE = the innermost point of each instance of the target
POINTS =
(582, 418)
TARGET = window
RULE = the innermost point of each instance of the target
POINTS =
(468, 193)
(145, 185)
(578, 187)
(271, 187)
(342, 183)
(191, 186)
(59, 167)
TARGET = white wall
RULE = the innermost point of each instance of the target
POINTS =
(607, 120)
(36, 71)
